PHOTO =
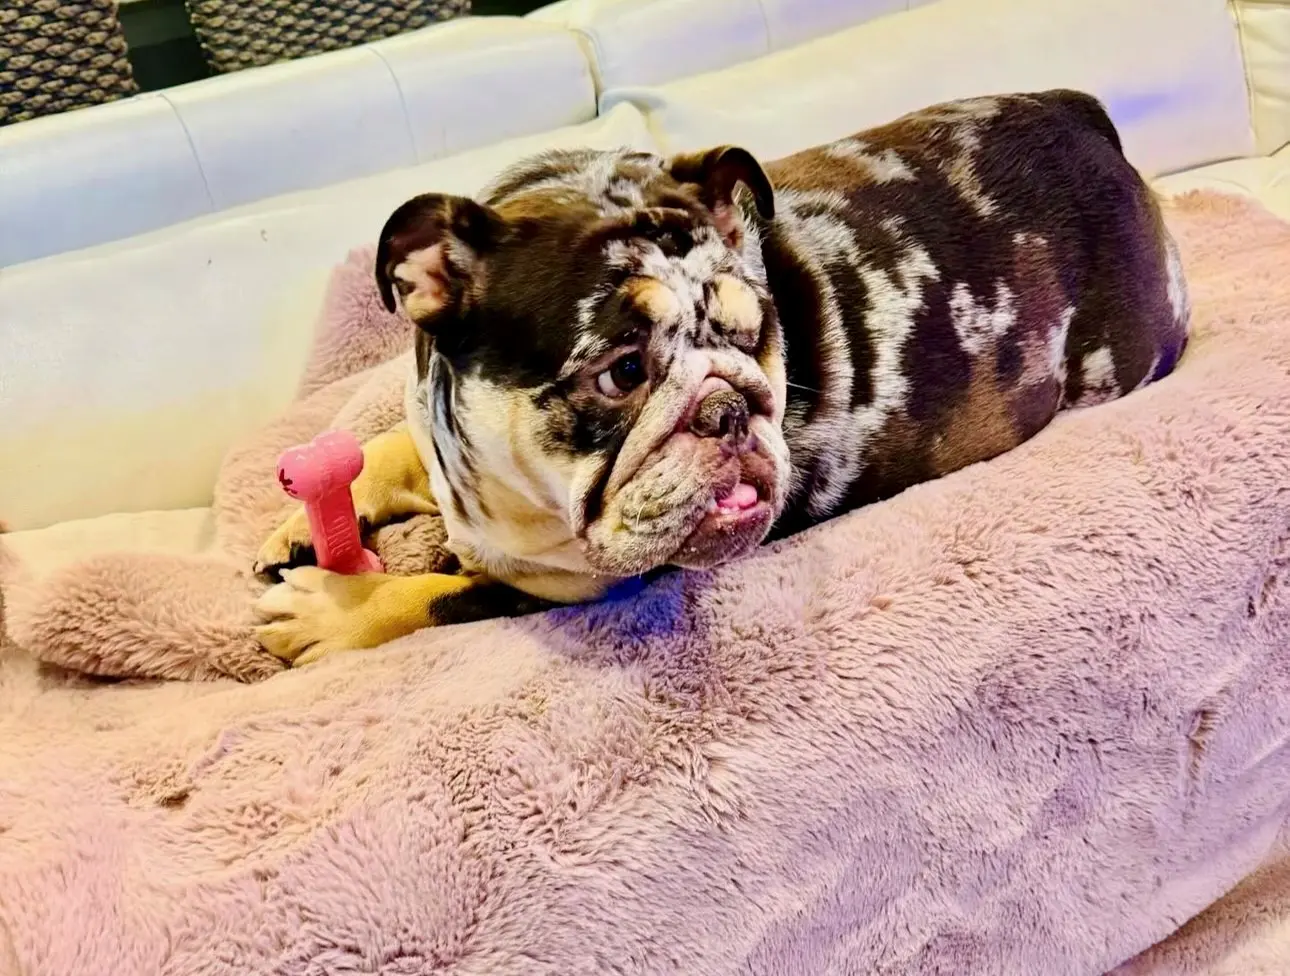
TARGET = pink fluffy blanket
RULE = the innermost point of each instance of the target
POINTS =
(1029, 718)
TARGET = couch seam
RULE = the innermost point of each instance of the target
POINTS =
(592, 56)
(765, 23)
(403, 107)
(589, 49)
(192, 147)
(1235, 7)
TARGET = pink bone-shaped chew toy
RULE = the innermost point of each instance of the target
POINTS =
(319, 474)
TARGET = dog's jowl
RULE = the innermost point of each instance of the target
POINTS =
(626, 362)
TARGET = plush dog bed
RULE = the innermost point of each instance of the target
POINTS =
(1246, 933)
(1028, 718)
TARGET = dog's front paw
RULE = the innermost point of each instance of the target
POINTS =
(290, 545)
(314, 612)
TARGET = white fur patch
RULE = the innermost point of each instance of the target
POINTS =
(883, 167)
(826, 237)
(596, 179)
(977, 325)
(1151, 372)
(894, 301)
(963, 176)
(1179, 300)
(1100, 385)
(981, 108)
(1057, 344)
(588, 347)
(837, 438)
(962, 115)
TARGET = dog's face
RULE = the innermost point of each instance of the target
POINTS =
(599, 361)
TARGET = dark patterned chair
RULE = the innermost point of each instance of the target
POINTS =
(237, 34)
(57, 55)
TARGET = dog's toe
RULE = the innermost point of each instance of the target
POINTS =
(278, 602)
(284, 640)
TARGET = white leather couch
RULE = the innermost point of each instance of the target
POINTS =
(162, 258)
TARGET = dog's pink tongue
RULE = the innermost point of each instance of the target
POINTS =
(742, 496)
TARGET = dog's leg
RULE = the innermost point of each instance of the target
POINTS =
(313, 612)
(393, 485)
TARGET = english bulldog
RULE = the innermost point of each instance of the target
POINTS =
(626, 362)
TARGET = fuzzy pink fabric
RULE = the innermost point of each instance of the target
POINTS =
(1026, 719)
(1245, 933)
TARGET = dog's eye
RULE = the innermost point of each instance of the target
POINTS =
(625, 374)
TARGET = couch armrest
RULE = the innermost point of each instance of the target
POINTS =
(1265, 41)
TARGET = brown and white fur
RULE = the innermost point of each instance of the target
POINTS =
(627, 362)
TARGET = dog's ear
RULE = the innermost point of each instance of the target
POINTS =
(718, 172)
(431, 254)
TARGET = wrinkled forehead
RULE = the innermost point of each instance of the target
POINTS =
(609, 181)
(665, 301)
(615, 252)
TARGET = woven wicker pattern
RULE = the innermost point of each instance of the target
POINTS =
(56, 55)
(238, 34)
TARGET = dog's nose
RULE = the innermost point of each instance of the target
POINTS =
(723, 414)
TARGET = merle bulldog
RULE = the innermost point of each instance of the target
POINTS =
(626, 362)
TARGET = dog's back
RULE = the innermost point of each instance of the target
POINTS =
(949, 281)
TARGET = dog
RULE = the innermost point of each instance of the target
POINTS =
(626, 362)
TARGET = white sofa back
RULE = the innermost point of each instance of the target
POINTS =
(635, 43)
(1170, 71)
(649, 42)
(128, 369)
(112, 171)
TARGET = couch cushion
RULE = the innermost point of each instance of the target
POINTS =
(294, 125)
(123, 392)
(1266, 178)
(1170, 71)
(178, 532)
(93, 175)
(109, 172)
(393, 103)
(648, 42)
(1265, 37)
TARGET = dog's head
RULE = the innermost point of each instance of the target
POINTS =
(599, 360)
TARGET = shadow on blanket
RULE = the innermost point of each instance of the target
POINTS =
(1027, 718)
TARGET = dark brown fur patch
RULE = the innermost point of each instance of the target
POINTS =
(1027, 196)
